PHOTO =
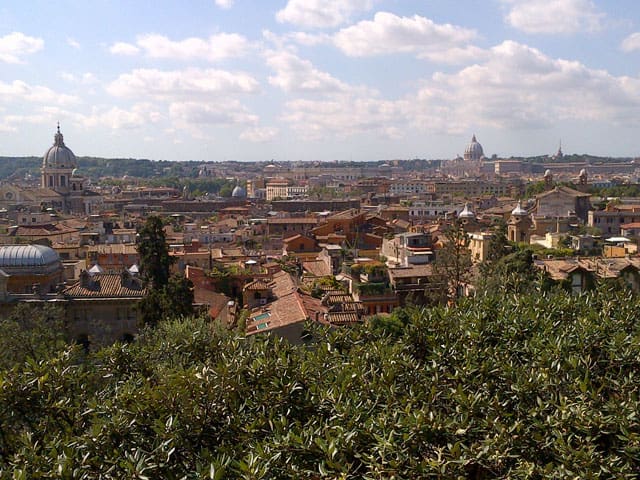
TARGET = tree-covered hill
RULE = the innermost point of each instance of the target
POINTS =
(542, 385)
(18, 167)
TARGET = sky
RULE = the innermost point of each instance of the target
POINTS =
(288, 80)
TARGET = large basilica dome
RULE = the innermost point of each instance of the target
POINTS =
(473, 150)
(59, 155)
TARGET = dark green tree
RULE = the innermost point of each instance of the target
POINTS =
(177, 298)
(452, 267)
(150, 308)
(155, 260)
(515, 273)
(226, 190)
(498, 247)
(174, 300)
(31, 331)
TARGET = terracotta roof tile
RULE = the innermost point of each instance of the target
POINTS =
(259, 284)
(106, 285)
(342, 318)
(317, 268)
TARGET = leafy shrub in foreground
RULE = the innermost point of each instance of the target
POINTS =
(520, 386)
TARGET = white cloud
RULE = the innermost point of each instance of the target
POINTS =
(122, 48)
(22, 91)
(294, 74)
(309, 39)
(179, 84)
(520, 87)
(197, 117)
(631, 43)
(388, 33)
(16, 45)
(343, 116)
(554, 16)
(456, 55)
(86, 78)
(225, 4)
(512, 86)
(321, 13)
(285, 40)
(73, 43)
(10, 123)
(215, 48)
(116, 118)
(259, 134)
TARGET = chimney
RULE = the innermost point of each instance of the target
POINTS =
(85, 279)
(125, 279)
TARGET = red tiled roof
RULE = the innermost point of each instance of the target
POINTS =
(259, 284)
(317, 268)
(286, 221)
(342, 318)
(41, 230)
(107, 285)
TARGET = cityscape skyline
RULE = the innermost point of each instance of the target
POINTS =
(320, 80)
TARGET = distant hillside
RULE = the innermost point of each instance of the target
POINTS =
(96, 167)
(92, 167)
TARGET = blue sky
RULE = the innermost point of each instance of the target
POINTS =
(319, 79)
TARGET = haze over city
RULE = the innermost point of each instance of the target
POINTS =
(319, 79)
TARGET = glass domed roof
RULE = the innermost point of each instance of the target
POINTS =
(27, 256)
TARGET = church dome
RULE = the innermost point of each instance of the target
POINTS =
(466, 212)
(238, 192)
(59, 155)
(16, 256)
(473, 150)
(518, 211)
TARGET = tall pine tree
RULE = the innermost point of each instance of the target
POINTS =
(155, 260)
(169, 296)
(452, 266)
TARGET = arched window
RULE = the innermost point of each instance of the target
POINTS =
(63, 181)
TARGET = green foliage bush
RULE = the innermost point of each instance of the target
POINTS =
(540, 385)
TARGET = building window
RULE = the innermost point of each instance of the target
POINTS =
(51, 180)
(63, 181)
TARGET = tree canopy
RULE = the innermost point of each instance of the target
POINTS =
(168, 295)
(155, 260)
(453, 261)
(530, 385)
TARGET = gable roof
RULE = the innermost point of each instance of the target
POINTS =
(564, 190)
(106, 285)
